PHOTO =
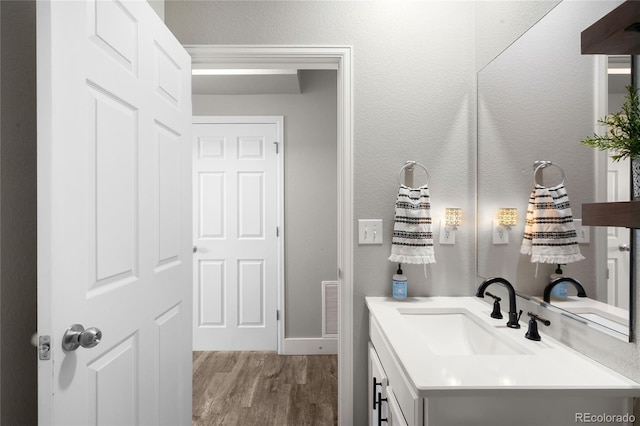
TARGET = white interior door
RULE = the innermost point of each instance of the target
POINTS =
(618, 259)
(237, 264)
(114, 214)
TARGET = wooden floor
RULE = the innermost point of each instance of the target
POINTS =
(264, 388)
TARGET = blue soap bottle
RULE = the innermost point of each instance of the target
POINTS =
(399, 284)
(560, 289)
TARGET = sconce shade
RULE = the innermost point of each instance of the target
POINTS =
(507, 216)
(452, 216)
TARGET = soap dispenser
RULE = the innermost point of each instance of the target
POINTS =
(560, 289)
(399, 285)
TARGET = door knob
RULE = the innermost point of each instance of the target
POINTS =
(76, 336)
(624, 247)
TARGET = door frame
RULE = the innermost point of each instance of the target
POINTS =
(278, 120)
(337, 58)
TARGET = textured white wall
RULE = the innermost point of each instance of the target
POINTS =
(311, 223)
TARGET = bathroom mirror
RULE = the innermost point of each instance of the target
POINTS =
(536, 101)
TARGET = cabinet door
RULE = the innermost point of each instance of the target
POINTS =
(394, 413)
(377, 388)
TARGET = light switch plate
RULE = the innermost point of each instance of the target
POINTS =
(582, 231)
(370, 231)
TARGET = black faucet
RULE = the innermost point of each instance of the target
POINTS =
(513, 315)
(547, 289)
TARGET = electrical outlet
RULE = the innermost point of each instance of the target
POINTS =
(583, 232)
(500, 233)
(370, 231)
(447, 234)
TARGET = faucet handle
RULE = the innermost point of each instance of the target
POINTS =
(496, 306)
(532, 332)
(539, 318)
(496, 298)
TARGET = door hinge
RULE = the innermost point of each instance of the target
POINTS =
(277, 144)
(277, 314)
(277, 231)
(44, 348)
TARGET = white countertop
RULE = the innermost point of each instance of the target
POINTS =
(544, 365)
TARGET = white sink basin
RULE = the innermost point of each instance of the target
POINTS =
(457, 332)
(604, 318)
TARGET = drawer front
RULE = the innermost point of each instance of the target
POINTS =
(408, 400)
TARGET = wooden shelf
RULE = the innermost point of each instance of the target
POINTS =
(608, 35)
(624, 214)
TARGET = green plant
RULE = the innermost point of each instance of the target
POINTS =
(623, 134)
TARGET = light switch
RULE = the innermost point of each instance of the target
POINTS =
(370, 231)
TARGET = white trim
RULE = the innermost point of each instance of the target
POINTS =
(315, 57)
(310, 346)
(600, 108)
(278, 120)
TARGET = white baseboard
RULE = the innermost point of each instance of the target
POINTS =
(310, 346)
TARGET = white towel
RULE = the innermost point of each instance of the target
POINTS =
(412, 241)
(550, 234)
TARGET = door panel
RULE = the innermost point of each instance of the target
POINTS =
(114, 222)
(238, 273)
(618, 262)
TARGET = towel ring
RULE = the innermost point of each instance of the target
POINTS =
(541, 165)
(410, 165)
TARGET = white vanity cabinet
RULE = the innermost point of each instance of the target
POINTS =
(432, 383)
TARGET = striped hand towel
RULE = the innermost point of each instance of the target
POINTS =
(412, 241)
(550, 234)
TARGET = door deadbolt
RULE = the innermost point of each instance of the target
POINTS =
(76, 336)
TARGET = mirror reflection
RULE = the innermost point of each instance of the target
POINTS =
(536, 101)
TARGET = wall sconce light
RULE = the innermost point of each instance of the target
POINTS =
(452, 216)
(507, 217)
(448, 226)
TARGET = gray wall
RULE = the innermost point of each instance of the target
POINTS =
(311, 225)
(414, 99)
(18, 367)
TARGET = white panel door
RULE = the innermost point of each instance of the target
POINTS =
(114, 214)
(618, 261)
(236, 217)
